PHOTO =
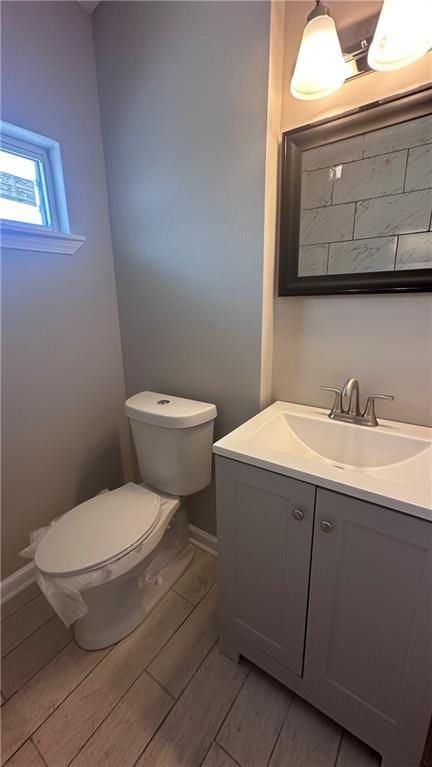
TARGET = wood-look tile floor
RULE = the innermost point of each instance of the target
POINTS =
(162, 697)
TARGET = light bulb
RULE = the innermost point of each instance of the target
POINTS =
(403, 34)
(320, 67)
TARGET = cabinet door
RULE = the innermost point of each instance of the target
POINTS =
(264, 558)
(369, 637)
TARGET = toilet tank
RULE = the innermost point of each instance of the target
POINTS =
(173, 439)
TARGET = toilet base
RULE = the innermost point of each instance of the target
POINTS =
(117, 607)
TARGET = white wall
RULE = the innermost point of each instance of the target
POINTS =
(63, 393)
(183, 89)
(385, 341)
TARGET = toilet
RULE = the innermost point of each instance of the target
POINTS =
(122, 551)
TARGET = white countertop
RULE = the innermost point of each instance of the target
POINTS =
(390, 464)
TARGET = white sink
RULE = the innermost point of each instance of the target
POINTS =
(389, 464)
(359, 447)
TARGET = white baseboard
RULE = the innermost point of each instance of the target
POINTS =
(203, 540)
(18, 581)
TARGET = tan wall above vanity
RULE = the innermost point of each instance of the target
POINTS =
(382, 340)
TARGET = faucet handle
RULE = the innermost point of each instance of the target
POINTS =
(337, 405)
(369, 412)
(381, 396)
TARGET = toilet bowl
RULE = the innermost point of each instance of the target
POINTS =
(120, 552)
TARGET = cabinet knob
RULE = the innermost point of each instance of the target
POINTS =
(298, 515)
(326, 526)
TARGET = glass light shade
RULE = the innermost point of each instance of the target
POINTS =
(403, 34)
(320, 67)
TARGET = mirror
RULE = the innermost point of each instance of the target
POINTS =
(356, 201)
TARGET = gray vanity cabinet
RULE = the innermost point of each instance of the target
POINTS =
(369, 637)
(335, 601)
(265, 534)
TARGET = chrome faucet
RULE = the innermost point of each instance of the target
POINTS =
(352, 413)
(351, 389)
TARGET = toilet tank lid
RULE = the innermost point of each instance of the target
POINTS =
(170, 412)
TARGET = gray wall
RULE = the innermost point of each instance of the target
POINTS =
(62, 375)
(385, 341)
(183, 91)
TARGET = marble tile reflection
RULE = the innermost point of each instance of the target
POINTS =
(366, 202)
(403, 136)
(414, 251)
(419, 168)
(330, 224)
(317, 189)
(396, 214)
(373, 177)
(373, 255)
(312, 260)
(333, 154)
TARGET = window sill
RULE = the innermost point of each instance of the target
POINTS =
(30, 238)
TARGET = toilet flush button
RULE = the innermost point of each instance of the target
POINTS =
(163, 402)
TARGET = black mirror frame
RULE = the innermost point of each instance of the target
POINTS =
(379, 114)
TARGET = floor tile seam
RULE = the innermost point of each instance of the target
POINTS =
(339, 747)
(196, 604)
(144, 670)
(111, 711)
(177, 701)
(35, 746)
(53, 657)
(231, 706)
(38, 726)
(50, 618)
(9, 697)
(187, 616)
(24, 604)
(290, 705)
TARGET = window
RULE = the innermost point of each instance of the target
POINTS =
(23, 193)
(33, 209)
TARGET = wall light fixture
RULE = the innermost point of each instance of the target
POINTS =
(399, 35)
(320, 66)
(403, 34)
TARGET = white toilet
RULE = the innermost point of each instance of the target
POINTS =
(126, 548)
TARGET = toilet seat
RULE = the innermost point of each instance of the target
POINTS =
(98, 531)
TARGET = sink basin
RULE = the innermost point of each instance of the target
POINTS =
(342, 443)
(390, 464)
